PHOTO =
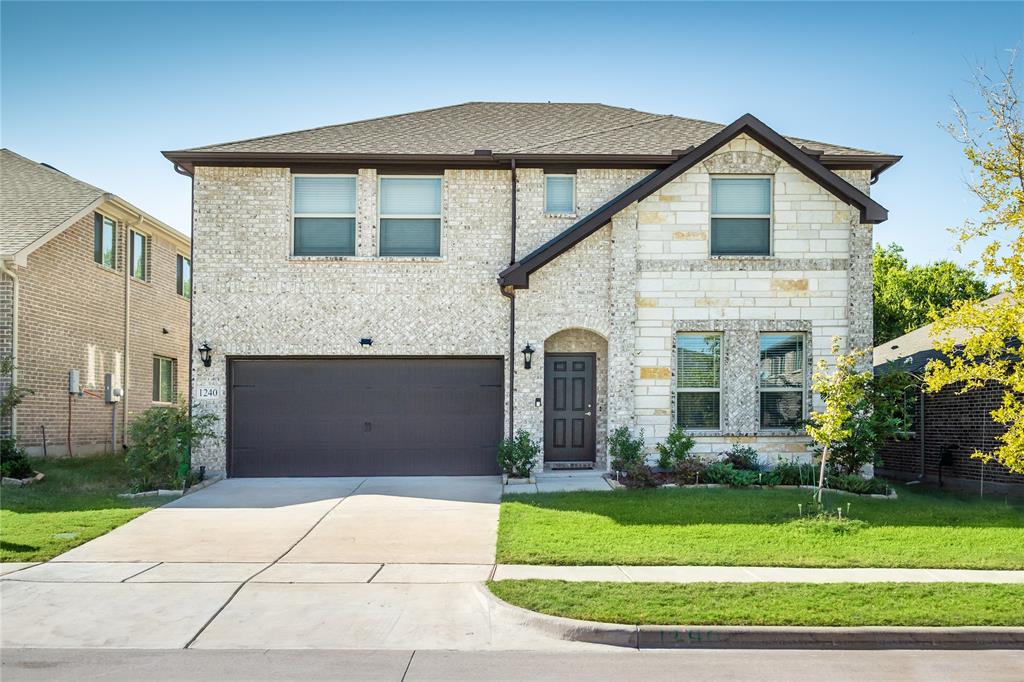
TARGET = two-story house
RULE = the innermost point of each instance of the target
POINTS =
(392, 296)
(93, 285)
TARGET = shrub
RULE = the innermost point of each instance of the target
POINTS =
(628, 457)
(13, 462)
(518, 456)
(743, 457)
(626, 451)
(676, 457)
(792, 473)
(856, 484)
(161, 438)
(725, 473)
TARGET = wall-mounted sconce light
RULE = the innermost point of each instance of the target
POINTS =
(204, 354)
(528, 356)
(365, 342)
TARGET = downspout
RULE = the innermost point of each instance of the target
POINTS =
(510, 293)
(921, 434)
(127, 336)
(10, 271)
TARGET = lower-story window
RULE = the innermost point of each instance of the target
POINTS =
(699, 381)
(783, 377)
(163, 380)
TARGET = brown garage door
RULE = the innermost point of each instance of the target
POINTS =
(365, 417)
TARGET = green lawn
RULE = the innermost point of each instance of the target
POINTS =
(76, 502)
(835, 604)
(753, 527)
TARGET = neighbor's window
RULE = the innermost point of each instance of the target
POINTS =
(163, 380)
(324, 208)
(741, 216)
(184, 276)
(783, 373)
(137, 257)
(104, 249)
(559, 193)
(410, 216)
(699, 381)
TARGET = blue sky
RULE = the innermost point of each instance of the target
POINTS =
(99, 89)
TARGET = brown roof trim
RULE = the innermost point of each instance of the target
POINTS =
(518, 274)
(188, 160)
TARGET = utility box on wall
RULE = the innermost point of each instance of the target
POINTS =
(111, 393)
(74, 383)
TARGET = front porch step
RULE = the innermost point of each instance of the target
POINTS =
(562, 466)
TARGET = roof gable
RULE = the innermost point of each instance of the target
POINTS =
(518, 274)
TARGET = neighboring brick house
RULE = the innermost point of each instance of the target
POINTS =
(372, 291)
(947, 427)
(68, 302)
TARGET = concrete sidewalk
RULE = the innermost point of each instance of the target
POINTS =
(750, 574)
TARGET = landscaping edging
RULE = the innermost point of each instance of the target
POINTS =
(617, 485)
(765, 637)
(18, 482)
(173, 493)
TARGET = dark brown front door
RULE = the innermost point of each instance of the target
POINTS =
(365, 416)
(569, 407)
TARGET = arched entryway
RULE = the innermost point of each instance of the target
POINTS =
(575, 399)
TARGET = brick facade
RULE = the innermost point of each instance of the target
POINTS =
(963, 424)
(71, 315)
(623, 293)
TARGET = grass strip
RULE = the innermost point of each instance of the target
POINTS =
(804, 604)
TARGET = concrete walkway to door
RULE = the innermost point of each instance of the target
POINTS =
(344, 563)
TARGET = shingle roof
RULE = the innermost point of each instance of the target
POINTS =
(913, 350)
(35, 199)
(504, 128)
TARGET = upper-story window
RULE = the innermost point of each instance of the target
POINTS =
(138, 246)
(783, 376)
(104, 249)
(741, 216)
(410, 216)
(324, 215)
(699, 381)
(184, 278)
(559, 193)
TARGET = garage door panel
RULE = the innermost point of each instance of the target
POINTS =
(365, 417)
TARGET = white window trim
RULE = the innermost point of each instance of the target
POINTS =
(783, 389)
(147, 240)
(419, 216)
(560, 175)
(116, 245)
(295, 214)
(770, 215)
(718, 389)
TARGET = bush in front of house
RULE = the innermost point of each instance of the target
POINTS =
(518, 456)
(628, 457)
(855, 483)
(743, 457)
(724, 473)
(13, 461)
(161, 440)
(675, 456)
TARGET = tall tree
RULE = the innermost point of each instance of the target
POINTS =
(993, 143)
(910, 297)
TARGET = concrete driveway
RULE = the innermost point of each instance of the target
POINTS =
(344, 563)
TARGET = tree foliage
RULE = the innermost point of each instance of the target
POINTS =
(861, 412)
(908, 297)
(991, 355)
(161, 440)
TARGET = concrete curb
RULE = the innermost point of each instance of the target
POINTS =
(764, 637)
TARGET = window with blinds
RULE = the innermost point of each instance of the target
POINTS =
(324, 215)
(741, 216)
(783, 378)
(559, 193)
(699, 381)
(410, 216)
